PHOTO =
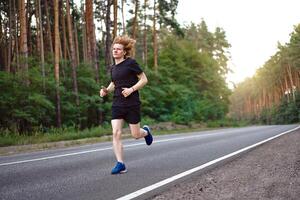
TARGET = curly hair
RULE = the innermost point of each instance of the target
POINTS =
(127, 42)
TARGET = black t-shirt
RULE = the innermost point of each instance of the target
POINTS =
(124, 75)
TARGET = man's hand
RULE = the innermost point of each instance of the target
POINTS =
(103, 91)
(127, 91)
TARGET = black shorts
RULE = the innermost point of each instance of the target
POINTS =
(131, 114)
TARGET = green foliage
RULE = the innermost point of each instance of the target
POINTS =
(166, 15)
(288, 112)
(271, 96)
(22, 107)
(189, 86)
(29, 108)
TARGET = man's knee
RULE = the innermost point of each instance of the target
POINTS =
(136, 137)
(136, 134)
(117, 133)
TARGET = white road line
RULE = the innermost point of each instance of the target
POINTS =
(62, 155)
(188, 172)
(96, 150)
(51, 157)
(91, 151)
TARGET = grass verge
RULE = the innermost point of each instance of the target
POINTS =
(70, 136)
(54, 135)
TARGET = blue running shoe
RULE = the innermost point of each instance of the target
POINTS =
(148, 138)
(119, 168)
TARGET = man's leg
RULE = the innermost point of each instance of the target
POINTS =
(136, 131)
(117, 125)
(144, 132)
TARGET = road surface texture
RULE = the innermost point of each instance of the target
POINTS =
(271, 171)
(84, 172)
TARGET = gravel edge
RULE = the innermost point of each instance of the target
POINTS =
(270, 171)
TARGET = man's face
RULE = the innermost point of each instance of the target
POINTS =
(118, 51)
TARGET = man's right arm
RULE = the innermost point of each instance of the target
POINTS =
(104, 91)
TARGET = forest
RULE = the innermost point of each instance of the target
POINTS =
(272, 95)
(55, 56)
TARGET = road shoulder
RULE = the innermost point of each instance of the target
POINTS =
(270, 171)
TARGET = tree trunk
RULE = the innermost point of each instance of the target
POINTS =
(2, 58)
(135, 21)
(3, 44)
(92, 37)
(297, 75)
(49, 32)
(72, 52)
(56, 63)
(88, 31)
(9, 54)
(123, 19)
(135, 24)
(290, 76)
(28, 23)
(66, 53)
(38, 35)
(76, 44)
(108, 42)
(84, 43)
(264, 97)
(88, 13)
(23, 40)
(115, 3)
(282, 88)
(155, 51)
(40, 40)
(27, 8)
(17, 44)
(145, 44)
(297, 79)
(277, 97)
(287, 92)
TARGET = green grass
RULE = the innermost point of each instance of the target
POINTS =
(54, 135)
(227, 123)
(95, 134)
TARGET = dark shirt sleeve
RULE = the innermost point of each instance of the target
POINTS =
(134, 67)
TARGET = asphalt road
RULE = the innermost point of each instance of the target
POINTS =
(84, 172)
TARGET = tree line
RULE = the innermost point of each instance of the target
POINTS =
(272, 95)
(55, 55)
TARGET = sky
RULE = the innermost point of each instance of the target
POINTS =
(253, 28)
